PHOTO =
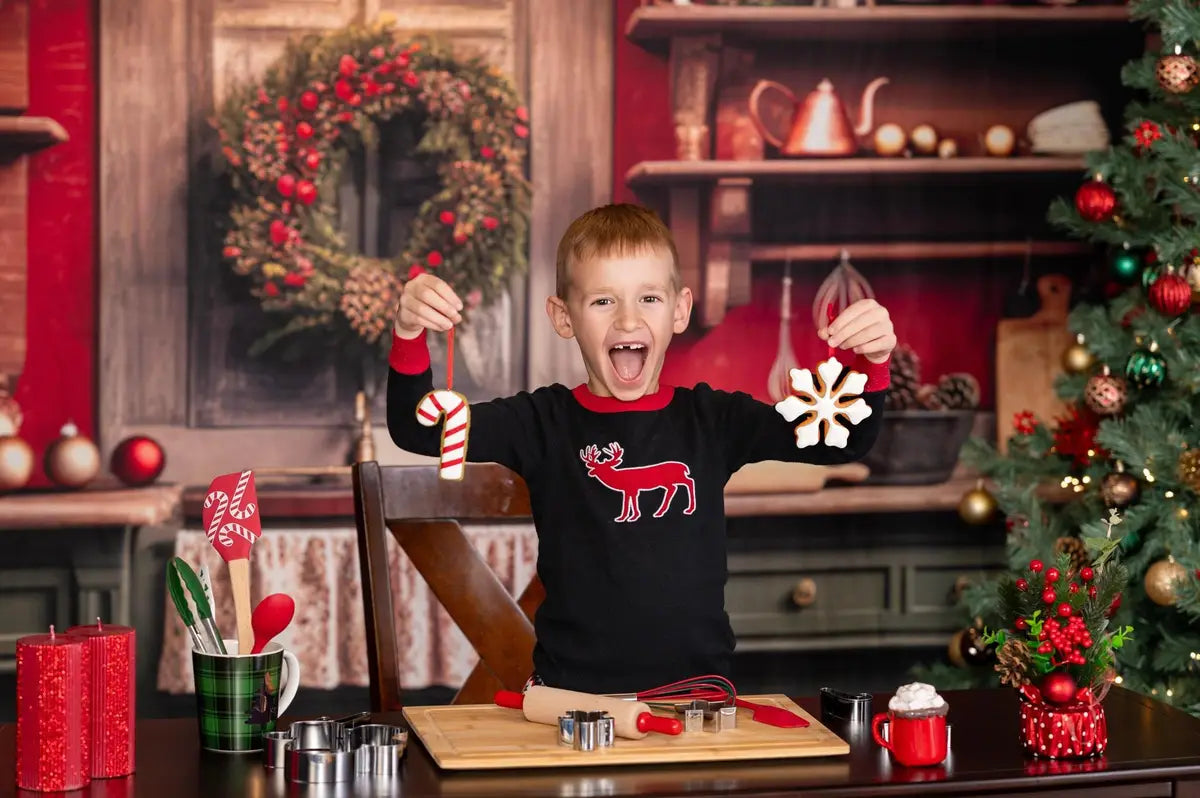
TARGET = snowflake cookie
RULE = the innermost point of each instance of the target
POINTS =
(826, 404)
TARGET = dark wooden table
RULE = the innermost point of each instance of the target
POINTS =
(1153, 751)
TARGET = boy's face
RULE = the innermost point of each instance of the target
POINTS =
(622, 311)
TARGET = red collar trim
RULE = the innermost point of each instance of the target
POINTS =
(608, 404)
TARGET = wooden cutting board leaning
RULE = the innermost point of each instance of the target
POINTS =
(1029, 356)
(485, 736)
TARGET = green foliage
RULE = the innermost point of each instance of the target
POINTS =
(1048, 493)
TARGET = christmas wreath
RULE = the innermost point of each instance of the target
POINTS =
(285, 140)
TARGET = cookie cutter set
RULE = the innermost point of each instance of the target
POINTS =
(329, 750)
(715, 716)
(586, 731)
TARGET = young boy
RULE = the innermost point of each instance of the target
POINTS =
(626, 476)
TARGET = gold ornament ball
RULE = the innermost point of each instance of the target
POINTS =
(1161, 581)
(999, 141)
(16, 463)
(889, 139)
(1188, 469)
(947, 148)
(72, 460)
(977, 506)
(1077, 359)
(1119, 490)
(924, 139)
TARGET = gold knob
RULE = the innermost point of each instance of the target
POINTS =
(804, 593)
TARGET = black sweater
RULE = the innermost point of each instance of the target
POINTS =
(628, 503)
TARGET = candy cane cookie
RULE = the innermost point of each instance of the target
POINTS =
(453, 408)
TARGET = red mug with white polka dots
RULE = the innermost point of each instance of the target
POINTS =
(914, 742)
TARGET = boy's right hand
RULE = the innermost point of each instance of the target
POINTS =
(427, 303)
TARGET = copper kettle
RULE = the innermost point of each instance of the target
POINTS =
(820, 125)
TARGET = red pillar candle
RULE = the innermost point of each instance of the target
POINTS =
(114, 690)
(53, 712)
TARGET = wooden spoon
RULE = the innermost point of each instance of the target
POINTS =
(271, 616)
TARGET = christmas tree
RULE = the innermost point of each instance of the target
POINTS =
(1129, 439)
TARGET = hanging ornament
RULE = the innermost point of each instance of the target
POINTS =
(966, 649)
(137, 460)
(16, 463)
(1170, 294)
(1193, 278)
(1126, 265)
(1188, 469)
(1162, 581)
(1119, 489)
(1075, 437)
(1146, 368)
(1077, 358)
(1095, 201)
(1147, 133)
(1105, 393)
(1177, 73)
(72, 460)
(10, 412)
(977, 505)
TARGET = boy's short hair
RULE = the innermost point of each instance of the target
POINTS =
(617, 229)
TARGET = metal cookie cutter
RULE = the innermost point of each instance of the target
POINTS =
(328, 750)
(586, 731)
(716, 716)
(854, 707)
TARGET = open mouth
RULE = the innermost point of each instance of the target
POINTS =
(628, 360)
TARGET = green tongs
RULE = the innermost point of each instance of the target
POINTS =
(205, 637)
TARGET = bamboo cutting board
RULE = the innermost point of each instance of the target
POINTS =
(1029, 356)
(485, 736)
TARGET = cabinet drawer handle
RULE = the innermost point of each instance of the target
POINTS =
(804, 593)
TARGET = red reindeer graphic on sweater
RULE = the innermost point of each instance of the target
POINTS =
(630, 482)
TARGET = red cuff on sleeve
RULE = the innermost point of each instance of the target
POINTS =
(879, 375)
(409, 355)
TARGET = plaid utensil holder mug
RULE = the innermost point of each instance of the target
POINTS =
(239, 697)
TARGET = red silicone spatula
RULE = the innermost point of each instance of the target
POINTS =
(232, 524)
(271, 616)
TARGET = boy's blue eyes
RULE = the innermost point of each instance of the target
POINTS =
(607, 301)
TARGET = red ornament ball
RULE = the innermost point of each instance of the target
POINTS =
(1036, 566)
(306, 192)
(1048, 595)
(1064, 610)
(1086, 573)
(1058, 688)
(1022, 584)
(309, 101)
(1052, 574)
(137, 460)
(1096, 201)
(1171, 295)
(286, 185)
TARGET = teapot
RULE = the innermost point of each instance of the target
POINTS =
(820, 125)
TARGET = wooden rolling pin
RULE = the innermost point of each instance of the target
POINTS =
(631, 719)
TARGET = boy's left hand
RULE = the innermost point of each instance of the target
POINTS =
(865, 328)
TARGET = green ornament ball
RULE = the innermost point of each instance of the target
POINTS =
(1146, 368)
(1126, 266)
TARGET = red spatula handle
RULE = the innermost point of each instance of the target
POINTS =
(510, 699)
(648, 722)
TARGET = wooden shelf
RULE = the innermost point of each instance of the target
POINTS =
(917, 250)
(27, 133)
(652, 26)
(657, 173)
(98, 505)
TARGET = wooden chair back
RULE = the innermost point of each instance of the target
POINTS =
(424, 514)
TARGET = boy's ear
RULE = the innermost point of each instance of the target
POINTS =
(560, 318)
(683, 310)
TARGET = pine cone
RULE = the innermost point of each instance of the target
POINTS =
(900, 399)
(930, 398)
(1077, 550)
(905, 372)
(958, 391)
(1013, 663)
(369, 300)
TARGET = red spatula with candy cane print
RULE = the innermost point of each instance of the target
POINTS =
(232, 524)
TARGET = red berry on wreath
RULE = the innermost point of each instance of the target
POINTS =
(411, 80)
(231, 252)
(490, 223)
(1058, 687)
(1036, 566)
(270, 289)
(279, 233)
(294, 280)
(487, 153)
(1048, 595)
(304, 130)
(347, 66)
(312, 160)
(343, 90)
(415, 271)
(1073, 588)
(1064, 610)
(1022, 584)
(377, 52)
(1091, 591)
(309, 100)
(306, 192)
(520, 131)
(460, 238)
(446, 217)
(402, 60)
(522, 113)
(285, 185)
(1021, 624)
(1086, 573)
(1095, 201)
(1052, 574)
(370, 87)
(434, 259)
(282, 103)
(1112, 608)
(355, 99)
(389, 87)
